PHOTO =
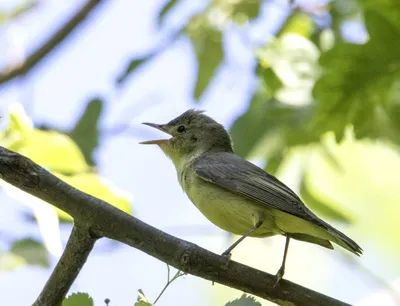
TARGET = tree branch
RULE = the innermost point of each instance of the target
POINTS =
(104, 220)
(78, 248)
(51, 43)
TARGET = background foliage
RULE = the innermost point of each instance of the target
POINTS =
(322, 112)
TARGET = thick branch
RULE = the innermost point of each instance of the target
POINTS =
(78, 248)
(108, 221)
(51, 43)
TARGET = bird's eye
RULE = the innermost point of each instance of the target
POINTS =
(181, 129)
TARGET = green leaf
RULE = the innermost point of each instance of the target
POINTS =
(78, 299)
(142, 300)
(94, 185)
(359, 84)
(55, 151)
(388, 8)
(244, 300)
(86, 131)
(33, 252)
(207, 43)
(298, 23)
(18, 121)
(269, 126)
(246, 9)
(10, 261)
(165, 10)
(272, 82)
(131, 67)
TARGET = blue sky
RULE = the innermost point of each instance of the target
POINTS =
(86, 65)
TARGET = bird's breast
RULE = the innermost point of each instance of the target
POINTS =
(227, 210)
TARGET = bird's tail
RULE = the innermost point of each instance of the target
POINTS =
(342, 240)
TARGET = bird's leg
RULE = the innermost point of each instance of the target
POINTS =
(227, 253)
(281, 270)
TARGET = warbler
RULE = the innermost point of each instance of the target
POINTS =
(235, 194)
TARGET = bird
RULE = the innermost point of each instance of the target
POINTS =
(235, 194)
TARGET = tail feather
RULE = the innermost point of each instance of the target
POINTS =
(344, 241)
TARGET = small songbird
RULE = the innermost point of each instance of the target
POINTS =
(236, 195)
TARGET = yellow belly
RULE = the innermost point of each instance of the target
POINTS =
(229, 211)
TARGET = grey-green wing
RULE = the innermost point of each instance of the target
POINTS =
(235, 174)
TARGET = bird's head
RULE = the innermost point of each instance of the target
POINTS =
(193, 133)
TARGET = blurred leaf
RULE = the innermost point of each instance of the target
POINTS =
(78, 299)
(321, 205)
(269, 126)
(249, 9)
(10, 261)
(165, 10)
(142, 300)
(47, 148)
(389, 8)
(244, 300)
(131, 67)
(18, 121)
(207, 44)
(293, 60)
(273, 162)
(358, 86)
(298, 23)
(33, 252)
(55, 151)
(86, 131)
(271, 81)
(21, 8)
(94, 185)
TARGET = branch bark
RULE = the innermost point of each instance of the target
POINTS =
(103, 220)
(77, 250)
(66, 29)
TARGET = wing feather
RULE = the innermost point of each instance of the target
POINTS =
(237, 175)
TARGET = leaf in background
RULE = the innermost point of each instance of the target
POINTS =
(389, 8)
(18, 120)
(244, 300)
(165, 10)
(207, 43)
(142, 300)
(131, 67)
(246, 10)
(293, 60)
(271, 81)
(54, 151)
(86, 131)
(10, 261)
(78, 299)
(273, 162)
(94, 185)
(33, 252)
(322, 206)
(298, 23)
(21, 8)
(359, 83)
(269, 126)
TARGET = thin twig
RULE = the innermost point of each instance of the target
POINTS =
(66, 29)
(169, 281)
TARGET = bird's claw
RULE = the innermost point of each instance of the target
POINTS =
(279, 275)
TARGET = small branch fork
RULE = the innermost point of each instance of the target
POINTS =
(94, 218)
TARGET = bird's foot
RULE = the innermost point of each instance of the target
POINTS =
(279, 275)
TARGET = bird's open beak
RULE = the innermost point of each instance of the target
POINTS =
(158, 127)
